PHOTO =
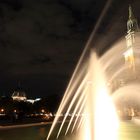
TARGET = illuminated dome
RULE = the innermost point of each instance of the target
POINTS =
(19, 95)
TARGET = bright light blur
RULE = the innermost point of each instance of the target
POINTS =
(129, 57)
(85, 131)
(106, 121)
(101, 121)
(2, 110)
(42, 110)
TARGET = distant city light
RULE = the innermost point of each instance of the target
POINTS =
(42, 110)
(30, 101)
(2, 110)
(37, 99)
(19, 98)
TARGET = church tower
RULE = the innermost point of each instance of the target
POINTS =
(132, 41)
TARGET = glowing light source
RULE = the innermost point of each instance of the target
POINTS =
(42, 110)
(2, 110)
(129, 56)
(106, 121)
(15, 110)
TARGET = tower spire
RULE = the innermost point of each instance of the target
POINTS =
(131, 16)
(132, 24)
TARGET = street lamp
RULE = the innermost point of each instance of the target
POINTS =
(2, 110)
(42, 110)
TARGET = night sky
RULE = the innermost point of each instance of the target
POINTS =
(42, 40)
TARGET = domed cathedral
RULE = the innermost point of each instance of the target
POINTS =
(132, 53)
(19, 94)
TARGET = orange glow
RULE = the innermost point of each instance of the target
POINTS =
(2, 110)
(129, 57)
(42, 110)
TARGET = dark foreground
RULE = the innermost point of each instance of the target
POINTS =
(37, 131)
(128, 131)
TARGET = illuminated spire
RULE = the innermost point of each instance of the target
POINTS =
(132, 24)
(131, 15)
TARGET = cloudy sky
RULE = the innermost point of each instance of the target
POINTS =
(42, 40)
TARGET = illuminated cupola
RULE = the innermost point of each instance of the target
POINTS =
(19, 94)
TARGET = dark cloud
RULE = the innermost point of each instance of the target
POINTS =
(42, 40)
(41, 60)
